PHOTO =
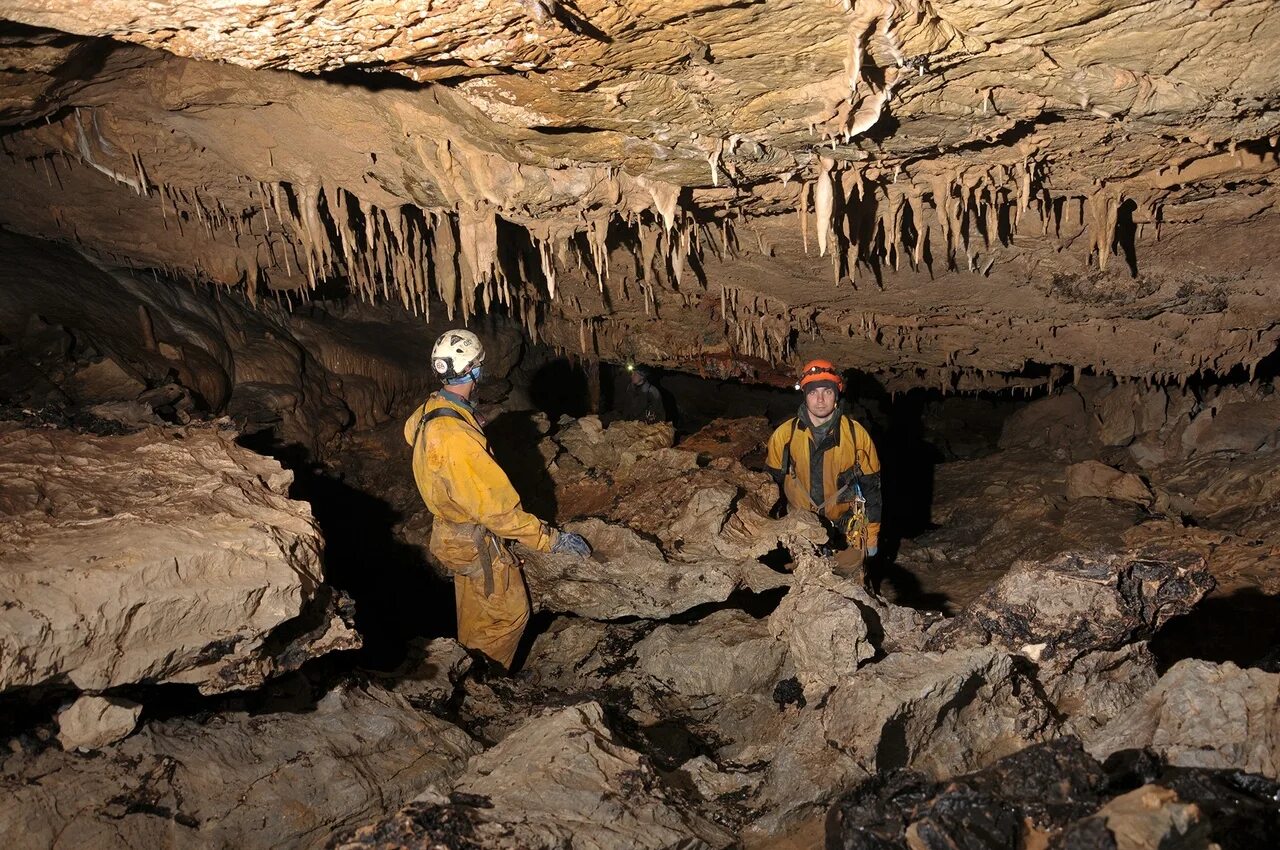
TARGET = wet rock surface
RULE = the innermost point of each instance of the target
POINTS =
(1056, 611)
(161, 556)
(1056, 795)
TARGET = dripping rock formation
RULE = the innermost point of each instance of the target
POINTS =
(718, 186)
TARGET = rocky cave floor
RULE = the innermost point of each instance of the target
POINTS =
(1069, 642)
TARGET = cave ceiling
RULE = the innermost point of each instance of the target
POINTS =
(962, 194)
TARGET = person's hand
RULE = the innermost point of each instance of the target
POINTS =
(872, 551)
(568, 543)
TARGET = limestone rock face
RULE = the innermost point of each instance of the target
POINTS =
(1202, 714)
(281, 779)
(562, 778)
(1139, 183)
(161, 556)
(93, 722)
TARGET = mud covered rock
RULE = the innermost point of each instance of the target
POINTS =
(1056, 795)
(1091, 479)
(562, 779)
(283, 779)
(160, 556)
(1095, 688)
(939, 713)
(586, 444)
(703, 664)
(91, 722)
(1078, 603)
(629, 576)
(1083, 620)
(429, 675)
(1220, 490)
(1202, 714)
(823, 621)
(832, 625)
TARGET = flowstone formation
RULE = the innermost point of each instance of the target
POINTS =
(724, 186)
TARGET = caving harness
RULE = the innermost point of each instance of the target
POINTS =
(482, 537)
(856, 525)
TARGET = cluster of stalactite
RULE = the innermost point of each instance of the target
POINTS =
(867, 219)
(759, 326)
(474, 255)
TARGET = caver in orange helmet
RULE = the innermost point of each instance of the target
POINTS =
(820, 370)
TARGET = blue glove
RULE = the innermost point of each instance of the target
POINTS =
(872, 550)
(568, 543)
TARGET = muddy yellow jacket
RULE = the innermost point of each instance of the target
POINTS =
(812, 475)
(463, 486)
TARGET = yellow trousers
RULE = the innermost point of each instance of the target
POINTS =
(492, 624)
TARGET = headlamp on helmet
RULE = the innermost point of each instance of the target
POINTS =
(820, 371)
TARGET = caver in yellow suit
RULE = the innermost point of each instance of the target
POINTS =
(827, 470)
(475, 511)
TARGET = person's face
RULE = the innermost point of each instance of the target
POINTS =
(820, 402)
(637, 378)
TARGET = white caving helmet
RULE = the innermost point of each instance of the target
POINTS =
(456, 357)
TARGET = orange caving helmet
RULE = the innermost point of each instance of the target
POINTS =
(820, 370)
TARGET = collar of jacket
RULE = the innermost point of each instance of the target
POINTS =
(454, 398)
(806, 424)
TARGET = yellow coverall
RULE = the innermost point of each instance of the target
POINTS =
(467, 494)
(838, 458)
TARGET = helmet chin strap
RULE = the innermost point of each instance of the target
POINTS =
(472, 375)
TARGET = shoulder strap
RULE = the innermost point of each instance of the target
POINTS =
(853, 435)
(431, 415)
(786, 448)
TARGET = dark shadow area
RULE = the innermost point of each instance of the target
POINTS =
(397, 594)
(902, 587)
(514, 438)
(560, 388)
(1127, 234)
(1243, 628)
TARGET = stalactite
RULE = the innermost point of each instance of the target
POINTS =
(823, 202)
(803, 211)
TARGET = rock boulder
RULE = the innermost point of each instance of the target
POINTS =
(1074, 604)
(702, 664)
(629, 576)
(161, 556)
(562, 780)
(92, 722)
(939, 713)
(1202, 714)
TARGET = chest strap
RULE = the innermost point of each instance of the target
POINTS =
(431, 416)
